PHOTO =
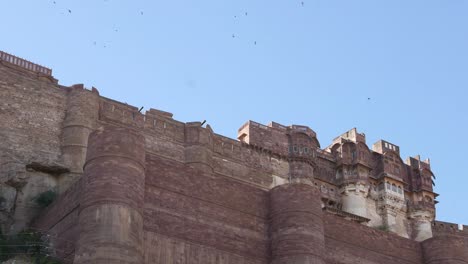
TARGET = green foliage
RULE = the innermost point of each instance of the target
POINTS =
(46, 198)
(26, 243)
(383, 228)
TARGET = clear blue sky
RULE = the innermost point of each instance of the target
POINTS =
(314, 64)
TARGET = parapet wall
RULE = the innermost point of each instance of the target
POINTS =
(25, 64)
(440, 228)
(445, 249)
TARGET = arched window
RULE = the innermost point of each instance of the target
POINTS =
(394, 188)
(389, 187)
(399, 190)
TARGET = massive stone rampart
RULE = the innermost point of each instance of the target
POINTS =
(145, 188)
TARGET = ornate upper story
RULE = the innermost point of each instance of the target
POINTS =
(372, 185)
(348, 159)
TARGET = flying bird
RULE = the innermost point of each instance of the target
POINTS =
(255, 42)
(246, 13)
(302, 3)
(69, 11)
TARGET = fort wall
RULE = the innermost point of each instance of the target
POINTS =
(31, 115)
(221, 215)
(145, 188)
(112, 200)
(349, 242)
(32, 111)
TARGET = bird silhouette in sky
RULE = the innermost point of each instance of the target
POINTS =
(69, 11)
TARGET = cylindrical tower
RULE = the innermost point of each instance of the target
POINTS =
(445, 249)
(301, 155)
(199, 146)
(296, 225)
(80, 121)
(111, 221)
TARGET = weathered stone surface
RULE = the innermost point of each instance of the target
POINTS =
(7, 197)
(156, 190)
(296, 225)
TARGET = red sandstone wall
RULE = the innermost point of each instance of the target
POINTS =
(449, 244)
(31, 112)
(211, 216)
(440, 228)
(350, 242)
(192, 216)
(445, 249)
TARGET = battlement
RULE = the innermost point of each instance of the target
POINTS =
(417, 163)
(352, 135)
(383, 146)
(25, 64)
(280, 139)
(442, 228)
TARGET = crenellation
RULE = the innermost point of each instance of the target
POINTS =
(440, 228)
(117, 113)
(383, 146)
